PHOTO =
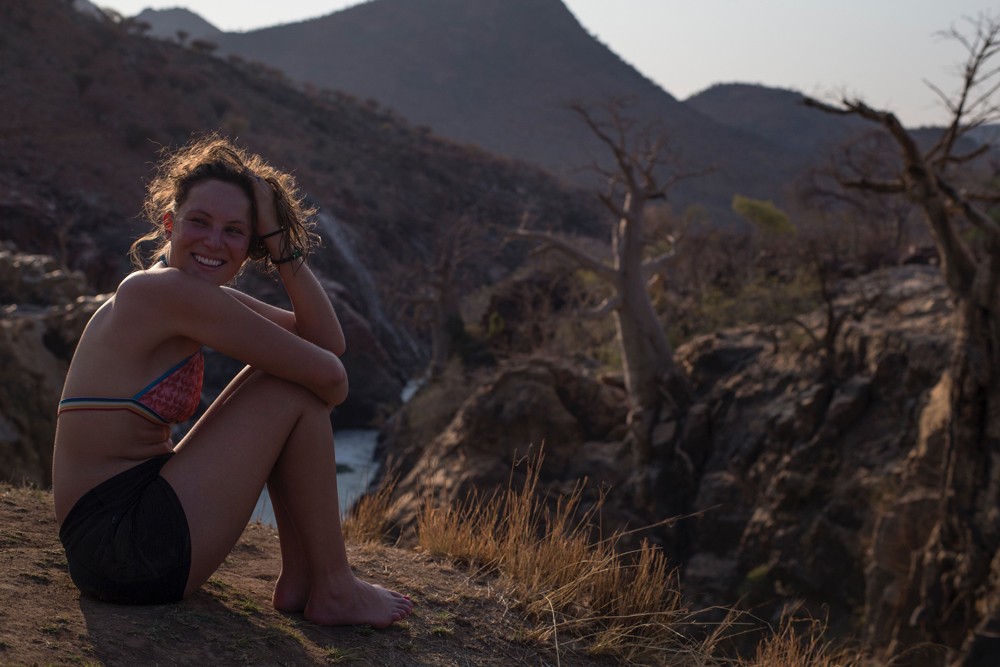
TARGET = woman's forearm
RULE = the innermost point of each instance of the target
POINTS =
(315, 318)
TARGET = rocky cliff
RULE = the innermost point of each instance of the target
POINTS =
(45, 308)
(789, 475)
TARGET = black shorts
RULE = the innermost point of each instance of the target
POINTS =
(127, 539)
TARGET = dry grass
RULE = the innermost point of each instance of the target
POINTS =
(802, 642)
(582, 594)
(585, 595)
(368, 519)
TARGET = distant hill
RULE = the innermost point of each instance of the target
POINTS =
(169, 23)
(498, 74)
(776, 115)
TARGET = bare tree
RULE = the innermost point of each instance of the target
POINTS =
(640, 175)
(951, 595)
(434, 298)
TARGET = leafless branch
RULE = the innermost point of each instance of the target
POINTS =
(654, 264)
(971, 106)
(873, 185)
(617, 144)
(612, 205)
(968, 157)
(604, 308)
(972, 213)
(552, 242)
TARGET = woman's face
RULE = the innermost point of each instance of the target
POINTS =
(210, 232)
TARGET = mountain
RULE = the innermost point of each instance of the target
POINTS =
(776, 115)
(169, 23)
(499, 74)
(89, 104)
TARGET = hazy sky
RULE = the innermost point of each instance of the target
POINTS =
(881, 50)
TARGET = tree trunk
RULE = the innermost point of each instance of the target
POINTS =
(647, 361)
(953, 599)
(651, 375)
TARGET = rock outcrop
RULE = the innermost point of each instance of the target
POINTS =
(800, 471)
(538, 405)
(792, 472)
(45, 308)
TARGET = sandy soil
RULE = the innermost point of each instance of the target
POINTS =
(459, 619)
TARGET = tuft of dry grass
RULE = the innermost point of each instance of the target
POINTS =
(368, 519)
(583, 594)
(587, 595)
(801, 643)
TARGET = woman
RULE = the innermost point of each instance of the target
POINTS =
(147, 521)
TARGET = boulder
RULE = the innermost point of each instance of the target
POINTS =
(526, 407)
(36, 279)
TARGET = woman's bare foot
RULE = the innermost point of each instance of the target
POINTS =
(356, 602)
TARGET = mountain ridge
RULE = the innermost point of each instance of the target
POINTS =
(168, 23)
(86, 122)
(500, 75)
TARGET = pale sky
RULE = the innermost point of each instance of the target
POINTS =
(880, 50)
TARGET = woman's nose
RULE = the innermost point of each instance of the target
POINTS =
(214, 238)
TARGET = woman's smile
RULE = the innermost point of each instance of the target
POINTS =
(207, 261)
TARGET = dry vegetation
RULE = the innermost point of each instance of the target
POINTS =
(579, 593)
(526, 586)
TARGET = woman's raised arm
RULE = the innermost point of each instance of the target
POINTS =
(315, 319)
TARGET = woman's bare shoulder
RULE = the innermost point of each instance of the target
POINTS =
(148, 278)
(161, 285)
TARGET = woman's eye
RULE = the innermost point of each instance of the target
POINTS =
(235, 230)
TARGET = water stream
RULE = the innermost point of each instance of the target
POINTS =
(356, 465)
(355, 448)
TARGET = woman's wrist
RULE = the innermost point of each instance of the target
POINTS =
(280, 249)
(294, 254)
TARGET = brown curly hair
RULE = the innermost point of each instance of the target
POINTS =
(214, 157)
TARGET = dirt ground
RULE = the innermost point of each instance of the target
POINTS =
(459, 619)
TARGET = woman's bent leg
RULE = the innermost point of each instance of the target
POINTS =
(335, 596)
(270, 430)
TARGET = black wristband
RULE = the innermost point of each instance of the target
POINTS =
(284, 260)
(277, 231)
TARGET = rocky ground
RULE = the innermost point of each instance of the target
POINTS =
(459, 619)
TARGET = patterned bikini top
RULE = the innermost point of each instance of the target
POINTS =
(171, 398)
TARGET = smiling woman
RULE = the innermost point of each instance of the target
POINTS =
(215, 162)
(147, 521)
(210, 235)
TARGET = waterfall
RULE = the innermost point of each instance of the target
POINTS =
(399, 343)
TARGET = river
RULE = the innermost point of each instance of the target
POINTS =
(355, 450)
